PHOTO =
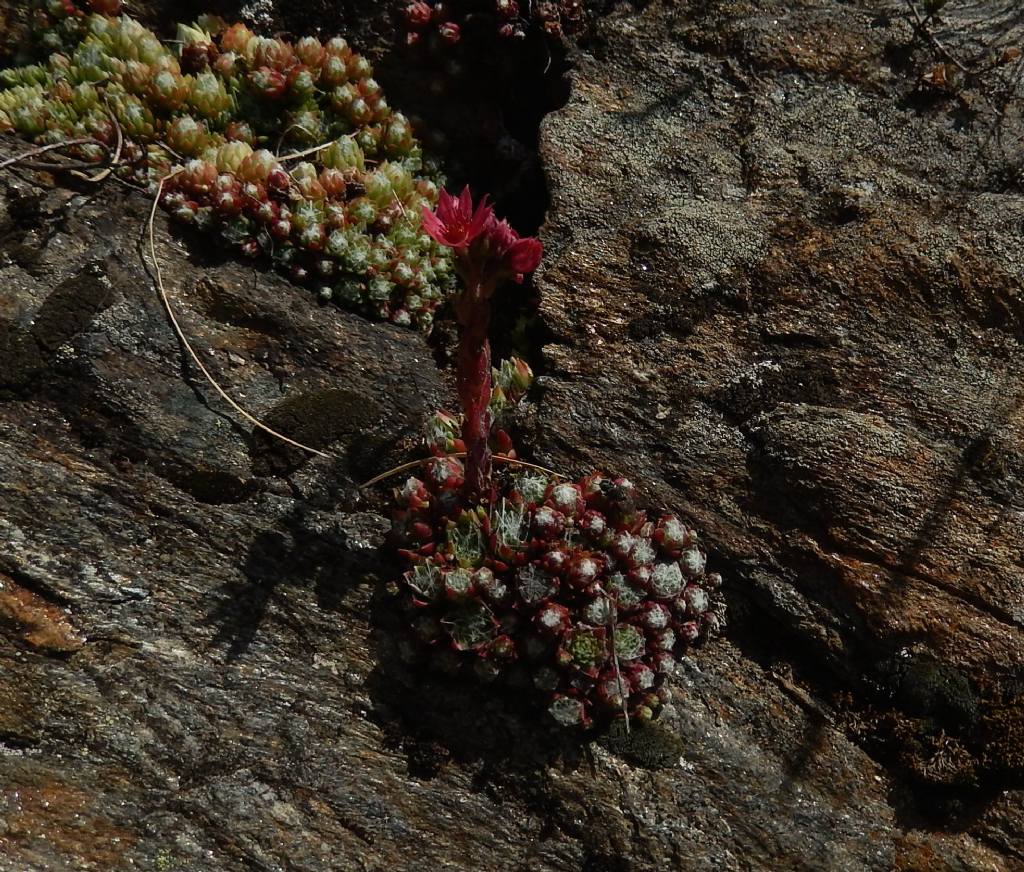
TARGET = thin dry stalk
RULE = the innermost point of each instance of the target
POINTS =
(922, 26)
(615, 657)
(46, 149)
(114, 160)
(158, 275)
(501, 458)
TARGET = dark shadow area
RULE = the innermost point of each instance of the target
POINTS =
(799, 377)
(954, 742)
(318, 418)
(951, 742)
(602, 862)
(306, 550)
(950, 808)
(75, 390)
(499, 735)
(479, 105)
(500, 731)
(457, 716)
(974, 458)
(812, 742)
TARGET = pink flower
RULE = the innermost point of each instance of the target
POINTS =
(517, 255)
(455, 223)
(487, 249)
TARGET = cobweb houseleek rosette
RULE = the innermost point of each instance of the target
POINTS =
(522, 578)
(561, 589)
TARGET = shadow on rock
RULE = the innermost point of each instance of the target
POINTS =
(329, 552)
(434, 718)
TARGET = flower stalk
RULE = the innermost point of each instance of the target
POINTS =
(565, 589)
(487, 252)
(474, 386)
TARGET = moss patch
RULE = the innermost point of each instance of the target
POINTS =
(930, 689)
(650, 745)
(319, 418)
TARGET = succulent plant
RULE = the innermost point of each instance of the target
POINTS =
(441, 22)
(346, 221)
(562, 587)
(486, 252)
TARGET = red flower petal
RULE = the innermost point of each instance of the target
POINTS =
(433, 225)
(447, 207)
(482, 219)
(465, 202)
(455, 223)
(524, 255)
(501, 236)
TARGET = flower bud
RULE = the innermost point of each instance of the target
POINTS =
(187, 136)
(333, 72)
(240, 131)
(662, 640)
(507, 9)
(343, 154)
(692, 562)
(666, 580)
(656, 616)
(339, 48)
(301, 82)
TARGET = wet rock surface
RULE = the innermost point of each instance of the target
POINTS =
(782, 292)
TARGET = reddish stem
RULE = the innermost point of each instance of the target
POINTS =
(473, 377)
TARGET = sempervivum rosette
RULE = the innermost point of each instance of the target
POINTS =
(522, 577)
(566, 588)
(233, 112)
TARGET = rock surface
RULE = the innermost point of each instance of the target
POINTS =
(782, 292)
(801, 330)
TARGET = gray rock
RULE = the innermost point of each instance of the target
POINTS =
(772, 310)
(783, 286)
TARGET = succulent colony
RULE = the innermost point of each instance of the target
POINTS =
(443, 21)
(287, 150)
(521, 577)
